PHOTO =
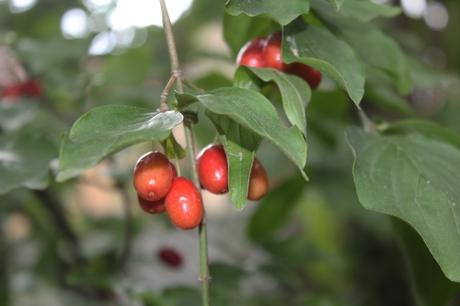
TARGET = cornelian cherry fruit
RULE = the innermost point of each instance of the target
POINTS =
(183, 204)
(251, 54)
(213, 169)
(153, 176)
(258, 182)
(312, 76)
(170, 257)
(155, 207)
(272, 52)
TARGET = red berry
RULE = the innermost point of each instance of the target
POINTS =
(174, 169)
(170, 257)
(251, 54)
(272, 52)
(183, 204)
(258, 182)
(213, 169)
(312, 76)
(153, 176)
(155, 207)
(12, 91)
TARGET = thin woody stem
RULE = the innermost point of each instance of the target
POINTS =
(202, 230)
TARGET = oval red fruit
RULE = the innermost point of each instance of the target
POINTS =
(312, 76)
(155, 207)
(213, 169)
(272, 53)
(170, 257)
(251, 54)
(153, 176)
(258, 182)
(183, 204)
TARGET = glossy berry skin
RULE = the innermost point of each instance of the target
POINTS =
(183, 204)
(156, 207)
(153, 176)
(170, 257)
(272, 53)
(213, 169)
(251, 54)
(258, 182)
(312, 76)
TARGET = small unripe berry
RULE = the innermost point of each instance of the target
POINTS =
(156, 207)
(312, 76)
(213, 169)
(153, 176)
(183, 204)
(258, 182)
(272, 53)
(251, 54)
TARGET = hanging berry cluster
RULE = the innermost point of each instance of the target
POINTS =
(159, 189)
(266, 52)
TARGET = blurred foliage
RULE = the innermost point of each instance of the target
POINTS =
(319, 246)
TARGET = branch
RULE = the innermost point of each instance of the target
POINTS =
(202, 230)
(367, 123)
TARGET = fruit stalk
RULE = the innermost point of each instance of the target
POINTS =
(202, 230)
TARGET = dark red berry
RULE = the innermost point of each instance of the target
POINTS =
(312, 76)
(183, 204)
(258, 182)
(156, 207)
(153, 176)
(251, 54)
(170, 257)
(213, 169)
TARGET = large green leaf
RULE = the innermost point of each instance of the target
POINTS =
(382, 52)
(240, 146)
(254, 112)
(25, 161)
(295, 94)
(319, 48)
(416, 179)
(108, 129)
(432, 288)
(282, 11)
(365, 10)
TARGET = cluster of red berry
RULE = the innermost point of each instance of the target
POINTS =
(266, 52)
(30, 88)
(159, 188)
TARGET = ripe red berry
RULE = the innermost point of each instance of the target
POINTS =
(153, 176)
(213, 169)
(183, 204)
(12, 91)
(251, 54)
(312, 76)
(272, 52)
(170, 257)
(258, 182)
(155, 207)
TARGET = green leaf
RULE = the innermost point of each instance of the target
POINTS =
(240, 146)
(243, 78)
(336, 3)
(172, 149)
(432, 288)
(107, 129)
(416, 179)
(365, 11)
(319, 48)
(282, 11)
(383, 96)
(238, 30)
(24, 161)
(273, 211)
(295, 94)
(253, 111)
(382, 52)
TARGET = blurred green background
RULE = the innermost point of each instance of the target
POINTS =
(87, 242)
